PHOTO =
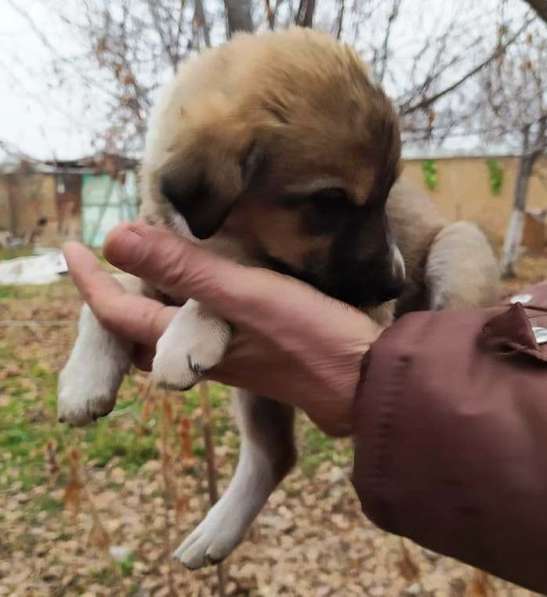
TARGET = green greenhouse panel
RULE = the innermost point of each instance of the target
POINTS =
(106, 202)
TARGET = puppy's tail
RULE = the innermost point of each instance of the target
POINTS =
(461, 269)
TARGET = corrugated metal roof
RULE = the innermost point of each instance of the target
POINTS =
(85, 165)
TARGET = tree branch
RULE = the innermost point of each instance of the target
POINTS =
(340, 18)
(381, 70)
(304, 15)
(270, 16)
(166, 43)
(428, 101)
(201, 21)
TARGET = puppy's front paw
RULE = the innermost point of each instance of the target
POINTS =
(82, 399)
(89, 382)
(193, 343)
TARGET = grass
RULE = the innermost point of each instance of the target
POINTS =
(37, 294)
(14, 252)
(316, 448)
(28, 420)
(15, 292)
(126, 439)
(102, 446)
(28, 423)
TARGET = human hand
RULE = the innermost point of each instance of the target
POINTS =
(290, 342)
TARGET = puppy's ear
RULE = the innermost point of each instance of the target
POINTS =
(204, 181)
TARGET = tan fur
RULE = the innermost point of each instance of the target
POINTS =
(251, 90)
(447, 265)
(253, 85)
(311, 106)
(462, 268)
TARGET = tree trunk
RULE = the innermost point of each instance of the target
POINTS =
(304, 16)
(540, 6)
(513, 236)
(13, 192)
(238, 16)
(201, 21)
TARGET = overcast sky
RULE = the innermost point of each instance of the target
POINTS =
(35, 115)
(45, 120)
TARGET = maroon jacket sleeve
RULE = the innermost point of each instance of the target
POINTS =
(451, 436)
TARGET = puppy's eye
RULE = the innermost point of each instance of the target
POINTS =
(330, 199)
(325, 200)
(326, 210)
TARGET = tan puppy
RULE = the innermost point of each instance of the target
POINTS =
(277, 150)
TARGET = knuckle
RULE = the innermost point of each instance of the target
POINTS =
(174, 269)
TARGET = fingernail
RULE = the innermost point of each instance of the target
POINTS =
(124, 245)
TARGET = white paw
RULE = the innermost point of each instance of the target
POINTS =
(89, 382)
(193, 343)
(212, 540)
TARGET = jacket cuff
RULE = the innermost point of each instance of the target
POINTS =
(379, 392)
(405, 376)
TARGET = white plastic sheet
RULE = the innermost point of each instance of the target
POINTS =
(38, 269)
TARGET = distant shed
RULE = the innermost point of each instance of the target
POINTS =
(70, 199)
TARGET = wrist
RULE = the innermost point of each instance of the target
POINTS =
(343, 380)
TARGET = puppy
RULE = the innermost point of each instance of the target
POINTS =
(277, 150)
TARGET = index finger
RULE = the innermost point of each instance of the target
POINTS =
(133, 317)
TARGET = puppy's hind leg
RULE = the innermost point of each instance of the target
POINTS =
(267, 453)
(89, 381)
(461, 269)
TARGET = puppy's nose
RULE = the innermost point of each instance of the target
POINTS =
(392, 290)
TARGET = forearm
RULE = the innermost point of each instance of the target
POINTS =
(451, 438)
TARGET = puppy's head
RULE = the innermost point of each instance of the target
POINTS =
(288, 146)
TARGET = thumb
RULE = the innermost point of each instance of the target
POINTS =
(177, 267)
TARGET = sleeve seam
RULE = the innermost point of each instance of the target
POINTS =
(386, 421)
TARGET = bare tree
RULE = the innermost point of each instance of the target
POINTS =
(427, 101)
(516, 109)
(129, 47)
(238, 16)
(534, 143)
(200, 22)
(339, 22)
(381, 55)
(304, 15)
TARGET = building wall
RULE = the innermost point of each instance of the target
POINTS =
(25, 198)
(5, 212)
(463, 190)
(69, 198)
(35, 195)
